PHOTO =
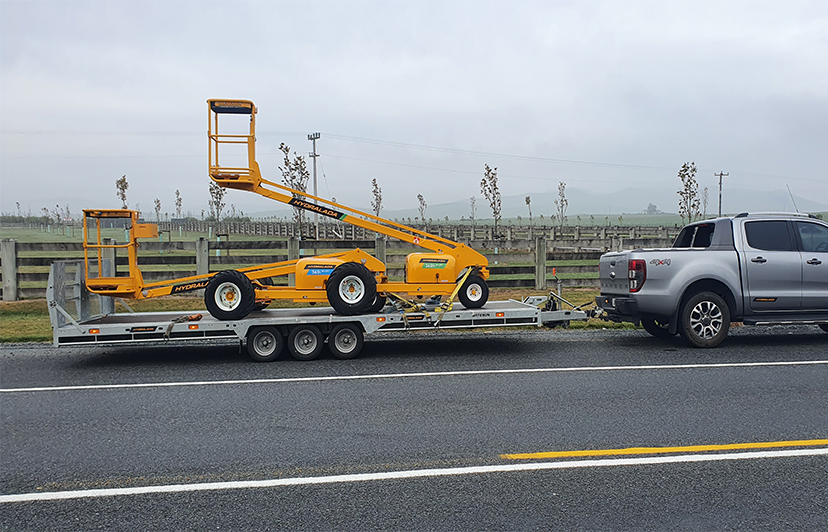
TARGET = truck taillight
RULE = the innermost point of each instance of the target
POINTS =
(637, 274)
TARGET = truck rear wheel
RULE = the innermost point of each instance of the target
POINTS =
(351, 289)
(264, 344)
(305, 342)
(705, 320)
(345, 341)
(229, 295)
(474, 293)
(657, 327)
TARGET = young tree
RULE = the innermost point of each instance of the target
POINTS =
(376, 192)
(422, 208)
(216, 202)
(178, 204)
(157, 210)
(121, 186)
(705, 198)
(689, 193)
(295, 175)
(472, 210)
(561, 204)
(488, 187)
(528, 201)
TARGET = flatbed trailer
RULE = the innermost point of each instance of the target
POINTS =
(80, 317)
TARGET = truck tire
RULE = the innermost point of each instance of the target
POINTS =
(345, 341)
(351, 289)
(704, 319)
(264, 344)
(474, 293)
(305, 342)
(657, 327)
(229, 295)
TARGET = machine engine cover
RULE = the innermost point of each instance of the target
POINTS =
(430, 268)
(312, 272)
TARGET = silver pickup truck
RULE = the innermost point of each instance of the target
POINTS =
(758, 269)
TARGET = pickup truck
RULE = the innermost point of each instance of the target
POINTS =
(758, 269)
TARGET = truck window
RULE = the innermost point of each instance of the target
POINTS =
(695, 236)
(770, 235)
(814, 236)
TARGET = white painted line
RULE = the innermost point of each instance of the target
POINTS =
(409, 375)
(396, 475)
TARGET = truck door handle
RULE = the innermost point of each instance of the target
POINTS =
(758, 259)
(814, 261)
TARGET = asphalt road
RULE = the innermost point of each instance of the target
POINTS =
(410, 436)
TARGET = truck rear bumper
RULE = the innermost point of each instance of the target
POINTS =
(619, 308)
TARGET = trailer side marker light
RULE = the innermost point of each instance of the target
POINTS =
(499, 314)
(380, 320)
(94, 331)
(193, 327)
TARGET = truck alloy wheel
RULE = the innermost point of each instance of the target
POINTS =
(229, 295)
(705, 319)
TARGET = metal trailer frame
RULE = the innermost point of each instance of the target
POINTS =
(80, 317)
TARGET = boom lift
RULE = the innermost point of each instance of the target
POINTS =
(353, 282)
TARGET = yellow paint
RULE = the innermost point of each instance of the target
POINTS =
(665, 450)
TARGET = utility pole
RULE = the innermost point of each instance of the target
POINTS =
(314, 137)
(719, 175)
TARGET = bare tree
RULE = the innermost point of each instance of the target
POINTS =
(528, 201)
(422, 208)
(472, 210)
(216, 202)
(689, 193)
(376, 192)
(488, 187)
(178, 204)
(295, 175)
(561, 204)
(157, 210)
(121, 185)
(705, 198)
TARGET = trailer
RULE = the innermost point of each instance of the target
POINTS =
(80, 317)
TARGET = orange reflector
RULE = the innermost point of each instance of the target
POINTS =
(499, 314)
(554, 272)
(94, 331)
(193, 327)
(380, 320)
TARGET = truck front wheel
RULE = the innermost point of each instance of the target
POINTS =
(705, 319)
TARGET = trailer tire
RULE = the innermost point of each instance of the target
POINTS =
(264, 344)
(229, 295)
(474, 293)
(351, 289)
(704, 319)
(345, 341)
(656, 327)
(305, 342)
(824, 326)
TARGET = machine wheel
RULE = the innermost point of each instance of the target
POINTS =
(229, 295)
(824, 326)
(474, 292)
(705, 320)
(379, 304)
(351, 289)
(305, 342)
(345, 341)
(657, 327)
(260, 305)
(264, 344)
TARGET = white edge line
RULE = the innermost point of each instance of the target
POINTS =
(393, 475)
(404, 375)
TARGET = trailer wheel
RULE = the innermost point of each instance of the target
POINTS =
(705, 320)
(657, 327)
(351, 289)
(264, 344)
(305, 342)
(345, 341)
(229, 295)
(379, 304)
(474, 293)
(824, 326)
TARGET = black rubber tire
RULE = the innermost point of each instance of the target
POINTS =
(260, 305)
(824, 326)
(351, 289)
(379, 304)
(229, 295)
(305, 342)
(656, 327)
(345, 341)
(264, 344)
(704, 320)
(474, 293)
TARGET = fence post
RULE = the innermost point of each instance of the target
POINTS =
(8, 256)
(293, 254)
(202, 256)
(380, 248)
(540, 263)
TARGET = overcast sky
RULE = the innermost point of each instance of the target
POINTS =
(419, 95)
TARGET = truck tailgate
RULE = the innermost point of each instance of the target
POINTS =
(613, 273)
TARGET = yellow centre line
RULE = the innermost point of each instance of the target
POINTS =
(664, 450)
